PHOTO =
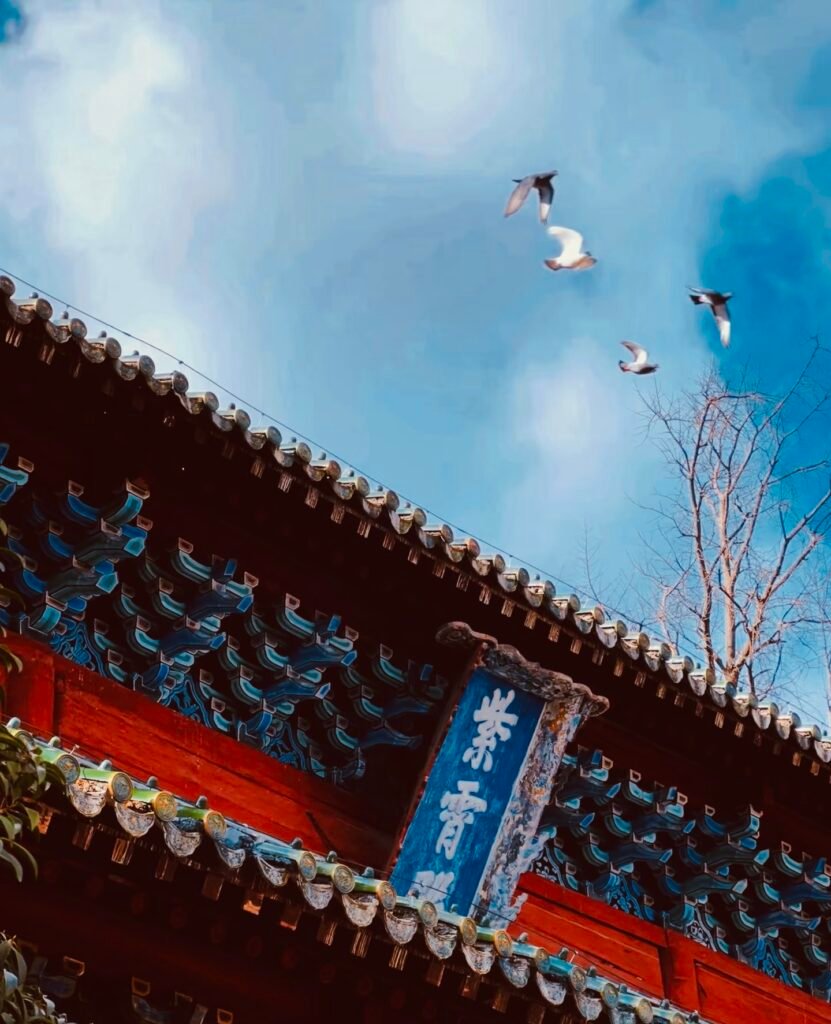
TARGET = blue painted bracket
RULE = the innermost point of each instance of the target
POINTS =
(385, 735)
(769, 955)
(698, 887)
(10, 479)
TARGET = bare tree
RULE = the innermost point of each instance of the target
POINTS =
(743, 520)
(822, 645)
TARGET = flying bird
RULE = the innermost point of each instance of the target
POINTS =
(718, 306)
(640, 360)
(542, 183)
(572, 256)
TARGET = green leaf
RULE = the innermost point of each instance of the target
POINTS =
(21, 969)
(18, 1007)
(21, 851)
(34, 817)
(13, 863)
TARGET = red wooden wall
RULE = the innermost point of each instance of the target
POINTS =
(55, 697)
(659, 961)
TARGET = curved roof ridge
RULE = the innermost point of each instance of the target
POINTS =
(347, 489)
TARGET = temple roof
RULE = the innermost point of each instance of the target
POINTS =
(308, 882)
(290, 462)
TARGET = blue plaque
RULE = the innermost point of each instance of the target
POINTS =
(453, 833)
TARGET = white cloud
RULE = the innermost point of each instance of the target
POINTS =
(115, 157)
(572, 421)
(437, 67)
(561, 410)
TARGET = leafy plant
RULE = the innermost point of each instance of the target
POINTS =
(20, 1001)
(23, 781)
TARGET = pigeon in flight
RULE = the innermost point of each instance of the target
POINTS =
(640, 360)
(572, 256)
(718, 305)
(542, 183)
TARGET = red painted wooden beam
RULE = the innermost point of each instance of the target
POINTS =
(659, 961)
(53, 696)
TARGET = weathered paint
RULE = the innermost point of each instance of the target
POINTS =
(495, 769)
(477, 791)
(514, 849)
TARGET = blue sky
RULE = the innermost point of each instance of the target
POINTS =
(305, 200)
